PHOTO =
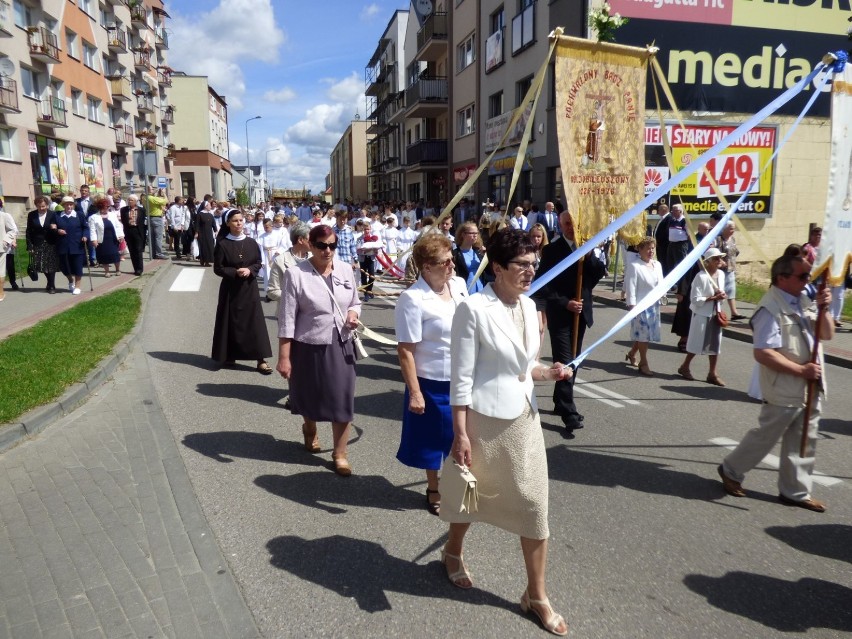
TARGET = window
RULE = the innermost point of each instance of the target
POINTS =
(521, 88)
(77, 102)
(93, 107)
(466, 121)
(90, 56)
(523, 27)
(32, 83)
(71, 45)
(85, 5)
(23, 16)
(497, 20)
(466, 53)
(7, 143)
(495, 104)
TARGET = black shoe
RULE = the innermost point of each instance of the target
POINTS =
(137, 273)
(574, 422)
(568, 433)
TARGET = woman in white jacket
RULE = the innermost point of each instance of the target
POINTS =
(705, 332)
(106, 233)
(494, 346)
(642, 276)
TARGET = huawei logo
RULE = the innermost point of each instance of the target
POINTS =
(653, 177)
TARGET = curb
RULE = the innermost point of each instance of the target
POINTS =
(735, 334)
(35, 421)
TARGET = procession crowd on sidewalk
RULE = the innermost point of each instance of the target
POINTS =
(468, 336)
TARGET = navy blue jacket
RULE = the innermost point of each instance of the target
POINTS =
(76, 229)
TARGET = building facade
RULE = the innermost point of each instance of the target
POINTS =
(201, 142)
(84, 98)
(348, 176)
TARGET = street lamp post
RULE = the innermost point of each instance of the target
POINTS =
(248, 160)
(266, 170)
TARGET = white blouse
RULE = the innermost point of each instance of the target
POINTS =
(642, 277)
(422, 318)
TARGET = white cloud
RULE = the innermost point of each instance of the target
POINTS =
(350, 89)
(285, 94)
(369, 12)
(215, 42)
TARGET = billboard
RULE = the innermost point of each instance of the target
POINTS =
(734, 169)
(737, 55)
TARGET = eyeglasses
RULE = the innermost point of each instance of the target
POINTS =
(802, 277)
(326, 245)
(443, 264)
(525, 266)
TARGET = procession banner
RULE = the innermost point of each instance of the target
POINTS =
(600, 89)
(734, 169)
(835, 250)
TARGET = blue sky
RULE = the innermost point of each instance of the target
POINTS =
(299, 65)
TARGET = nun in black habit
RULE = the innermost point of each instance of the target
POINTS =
(240, 329)
(205, 229)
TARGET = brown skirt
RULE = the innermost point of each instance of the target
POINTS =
(322, 385)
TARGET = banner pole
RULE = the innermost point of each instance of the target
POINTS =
(812, 387)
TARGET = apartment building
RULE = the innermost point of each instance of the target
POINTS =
(84, 97)
(384, 84)
(348, 177)
(200, 144)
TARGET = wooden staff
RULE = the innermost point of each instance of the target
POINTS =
(812, 383)
(578, 298)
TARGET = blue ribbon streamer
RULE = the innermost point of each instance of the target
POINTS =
(680, 270)
(676, 179)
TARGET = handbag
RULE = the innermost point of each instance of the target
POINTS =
(721, 316)
(458, 488)
(360, 351)
(32, 272)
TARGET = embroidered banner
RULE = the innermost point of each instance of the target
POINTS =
(835, 251)
(600, 100)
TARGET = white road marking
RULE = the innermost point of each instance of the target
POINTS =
(188, 281)
(773, 462)
(606, 391)
(582, 391)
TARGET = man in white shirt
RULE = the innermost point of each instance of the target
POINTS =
(519, 220)
(679, 241)
(177, 219)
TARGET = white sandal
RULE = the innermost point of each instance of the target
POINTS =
(553, 620)
(461, 573)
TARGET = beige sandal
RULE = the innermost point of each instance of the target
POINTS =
(462, 573)
(341, 465)
(553, 620)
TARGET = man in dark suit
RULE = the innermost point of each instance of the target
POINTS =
(135, 224)
(549, 219)
(558, 300)
(83, 207)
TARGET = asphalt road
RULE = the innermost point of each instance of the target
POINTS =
(644, 543)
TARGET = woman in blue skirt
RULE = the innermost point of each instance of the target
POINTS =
(424, 317)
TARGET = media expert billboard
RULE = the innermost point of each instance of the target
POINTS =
(736, 55)
(734, 169)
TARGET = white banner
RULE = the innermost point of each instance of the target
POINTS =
(835, 250)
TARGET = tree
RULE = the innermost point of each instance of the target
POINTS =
(242, 196)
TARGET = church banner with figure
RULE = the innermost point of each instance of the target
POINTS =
(600, 108)
(835, 250)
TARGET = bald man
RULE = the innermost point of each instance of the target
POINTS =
(135, 224)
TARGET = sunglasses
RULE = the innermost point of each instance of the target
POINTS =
(326, 245)
(443, 264)
(802, 277)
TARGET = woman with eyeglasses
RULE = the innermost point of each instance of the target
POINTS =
(642, 275)
(318, 312)
(705, 332)
(424, 316)
(495, 341)
(240, 328)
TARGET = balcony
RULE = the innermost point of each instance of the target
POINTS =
(378, 84)
(426, 153)
(432, 38)
(120, 89)
(142, 59)
(52, 113)
(144, 103)
(167, 115)
(171, 152)
(8, 95)
(138, 15)
(161, 38)
(164, 77)
(6, 23)
(124, 135)
(44, 45)
(117, 39)
(426, 98)
(396, 108)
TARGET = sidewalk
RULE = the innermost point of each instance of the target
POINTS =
(838, 351)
